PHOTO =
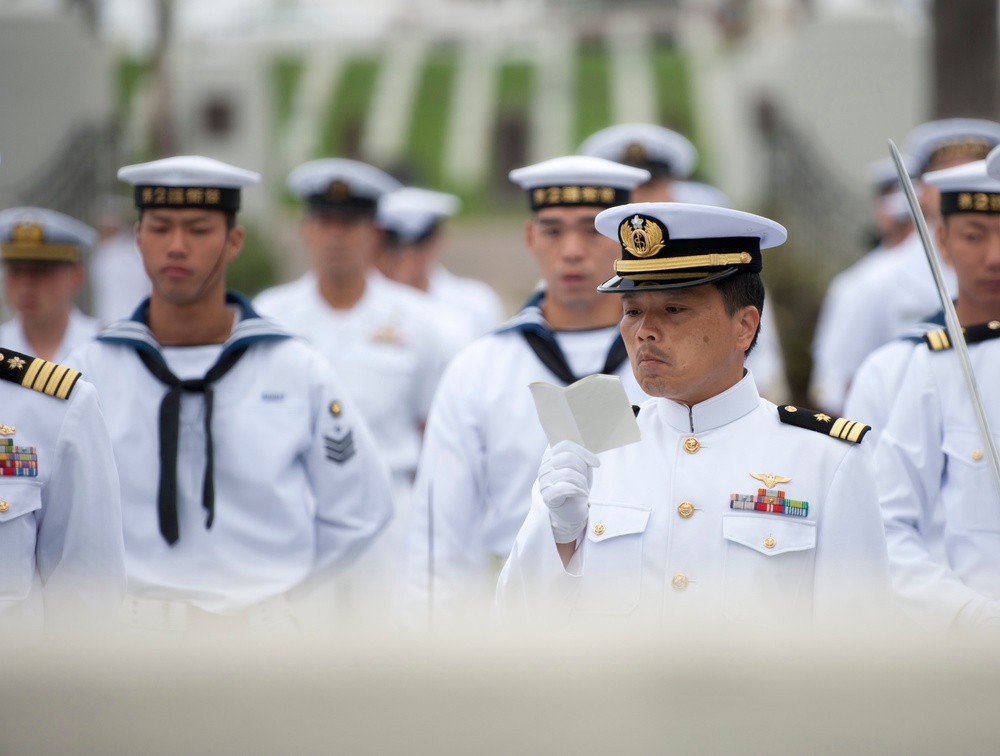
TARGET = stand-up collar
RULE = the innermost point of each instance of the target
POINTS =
(721, 409)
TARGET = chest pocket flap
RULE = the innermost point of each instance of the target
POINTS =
(769, 535)
(613, 520)
(17, 499)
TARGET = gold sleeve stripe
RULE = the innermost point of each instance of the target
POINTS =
(67, 383)
(31, 372)
(43, 376)
(856, 432)
(838, 427)
(55, 379)
(938, 340)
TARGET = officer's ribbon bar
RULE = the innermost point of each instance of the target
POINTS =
(766, 500)
(18, 460)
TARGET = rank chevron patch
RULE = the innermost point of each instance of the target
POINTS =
(339, 450)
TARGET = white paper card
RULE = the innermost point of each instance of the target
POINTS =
(594, 412)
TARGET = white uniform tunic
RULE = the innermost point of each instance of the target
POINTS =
(387, 349)
(641, 559)
(930, 456)
(79, 330)
(118, 280)
(886, 297)
(481, 456)
(62, 563)
(300, 489)
(478, 303)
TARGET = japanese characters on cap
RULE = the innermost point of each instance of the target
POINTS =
(187, 181)
(35, 234)
(672, 245)
(578, 181)
(966, 188)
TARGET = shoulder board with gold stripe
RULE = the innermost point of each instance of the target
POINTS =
(938, 341)
(838, 427)
(38, 374)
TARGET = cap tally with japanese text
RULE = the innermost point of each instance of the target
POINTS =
(967, 188)
(672, 245)
(187, 181)
(578, 181)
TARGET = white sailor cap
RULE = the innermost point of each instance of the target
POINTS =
(412, 214)
(963, 138)
(967, 188)
(699, 193)
(993, 162)
(341, 184)
(38, 235)
(187, 181)
(644, 145)
(578, 180)
(672, 245)
(882, 172)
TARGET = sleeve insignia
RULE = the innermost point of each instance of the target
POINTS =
(339, 450)
(38, 374)
(845, 430)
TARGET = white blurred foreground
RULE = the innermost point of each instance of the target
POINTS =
(640, 694)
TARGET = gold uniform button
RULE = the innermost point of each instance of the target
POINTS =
(769, 542)
(977, 455)
(691, 445)
(4, 506)
(599, 529)
(685, 509)
(679, 582)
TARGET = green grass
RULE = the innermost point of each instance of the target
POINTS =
(345, 117)
(593, 109)
(674, 106)
(285, 74)
(130, 75)
(429, 121)
(515, 87)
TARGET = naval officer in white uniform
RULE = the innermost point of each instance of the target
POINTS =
(483, 439)
(935, 484)
(247, 473)
(729, 510)
(42, 255)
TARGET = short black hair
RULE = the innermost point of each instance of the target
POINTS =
(740, 290)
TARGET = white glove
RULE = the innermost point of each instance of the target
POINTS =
(564, 480)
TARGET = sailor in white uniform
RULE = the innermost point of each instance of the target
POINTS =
(247, 473)
(933, 470)
(895, 291)
(385, 340)
(483, 440)
(412, 218)
(670, 158)
(729, 510)
(42, 255)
